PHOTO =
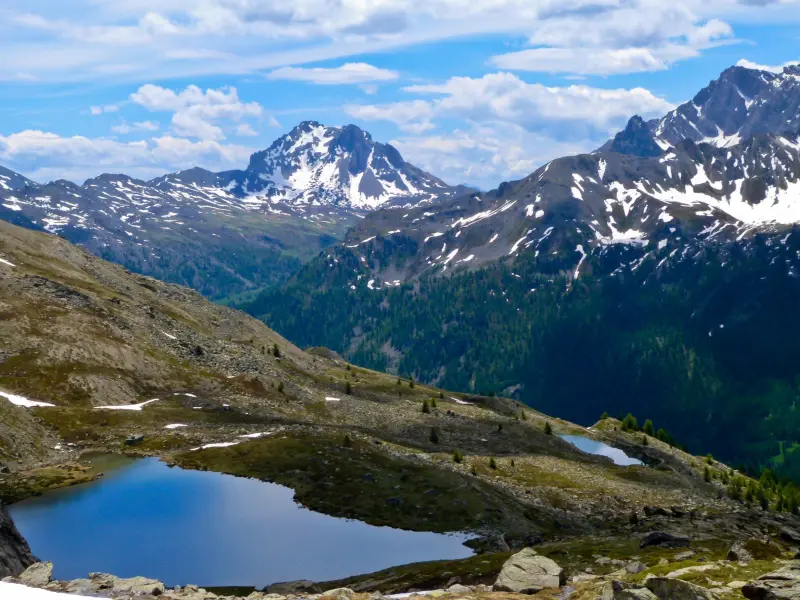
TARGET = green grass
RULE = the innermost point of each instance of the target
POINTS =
(18, 486)
(363, 482)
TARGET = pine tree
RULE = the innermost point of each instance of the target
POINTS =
(709, 459)
(706, 475)
(411, 382)
(348, 389)
(492, 463)
(276, 352)
(648, 428)
(458, 458)
(426, 408)
(548, 429)
(433, 402)
(441, 395)
(604, 416)
(629, 423)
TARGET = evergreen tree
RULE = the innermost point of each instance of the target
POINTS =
(458, 458)
(348, 389)
(648, 429)
(548, 429)
(347, 443)
(433, 402)
(706, 475)
(604, 416)
(709, 459)
(276, 352)
(426, 408)
(492, 463)
(411, 382)
(629, 423)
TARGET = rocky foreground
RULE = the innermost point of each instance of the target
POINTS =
(523, 574)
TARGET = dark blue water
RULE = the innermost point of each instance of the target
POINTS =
(208, 529)
(594, 447)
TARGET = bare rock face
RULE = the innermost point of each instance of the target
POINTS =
(37, 575)
(666, 588)
(15, 554)
(528, 573)
(783, 583)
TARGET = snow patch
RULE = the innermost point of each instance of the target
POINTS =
(23, 401)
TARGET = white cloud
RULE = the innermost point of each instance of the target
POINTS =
(348, 73)
(44, 155)
(197, 113)
(99, 110)
(245, 130)
(574, 111)
(771, 68)
(124, 128)
(139, 39)
(646, 35)
(484, 154)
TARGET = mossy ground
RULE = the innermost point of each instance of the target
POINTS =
(18, 486)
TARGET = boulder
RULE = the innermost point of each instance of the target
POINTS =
(527, 572)
(619, 590)
(787, 534)
(635, 567)
(666, 588)
(135, 586)
(459, 589)
(738, 553)
(680, 556)
(301, 587)
(655, 511)
(664, 539)
(783, 583)
(340, 593)
(37, 575)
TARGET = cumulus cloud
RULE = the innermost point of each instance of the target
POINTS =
(99, 110)
(484, 154)
(577, 109)
(348, 73)
(747, 64)
(646, 35)
(197, 113)
(46, 155)
(125, 128)
(108, 38)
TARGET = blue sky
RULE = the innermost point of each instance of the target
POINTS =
(476, 91)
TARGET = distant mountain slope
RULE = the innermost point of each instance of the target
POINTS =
(652, 278)
(225, 233)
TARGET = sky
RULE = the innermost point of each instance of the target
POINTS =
(474, 91)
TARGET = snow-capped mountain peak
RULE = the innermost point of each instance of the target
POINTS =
(338, 166)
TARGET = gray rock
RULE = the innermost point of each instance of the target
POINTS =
(527, 572)
(340, 593)
(303, 586)
(783, 583)
(459, 589)
(141, 586)
(666, 588)
(15, 554)
(620, 590)
(37, 575)
(738, 553)
(82, 587)
(635, 567)
(684, 555)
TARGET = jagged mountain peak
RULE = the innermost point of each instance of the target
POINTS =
(740, 103)
(314, 164)
(637, 139)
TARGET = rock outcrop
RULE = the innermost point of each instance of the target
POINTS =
(783, 583)
(15, 554)
(528, 573)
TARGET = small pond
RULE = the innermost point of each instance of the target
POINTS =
(591, 446)
(181, 526)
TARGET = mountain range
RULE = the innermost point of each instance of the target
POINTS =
(227, 233)
(653, 275)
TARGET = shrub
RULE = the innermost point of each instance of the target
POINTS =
(347, 443)
(492, 463)
(348, 389)
(276, 352)
(426, 408)
(458, 458)
(548, 429)
(433, 402)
